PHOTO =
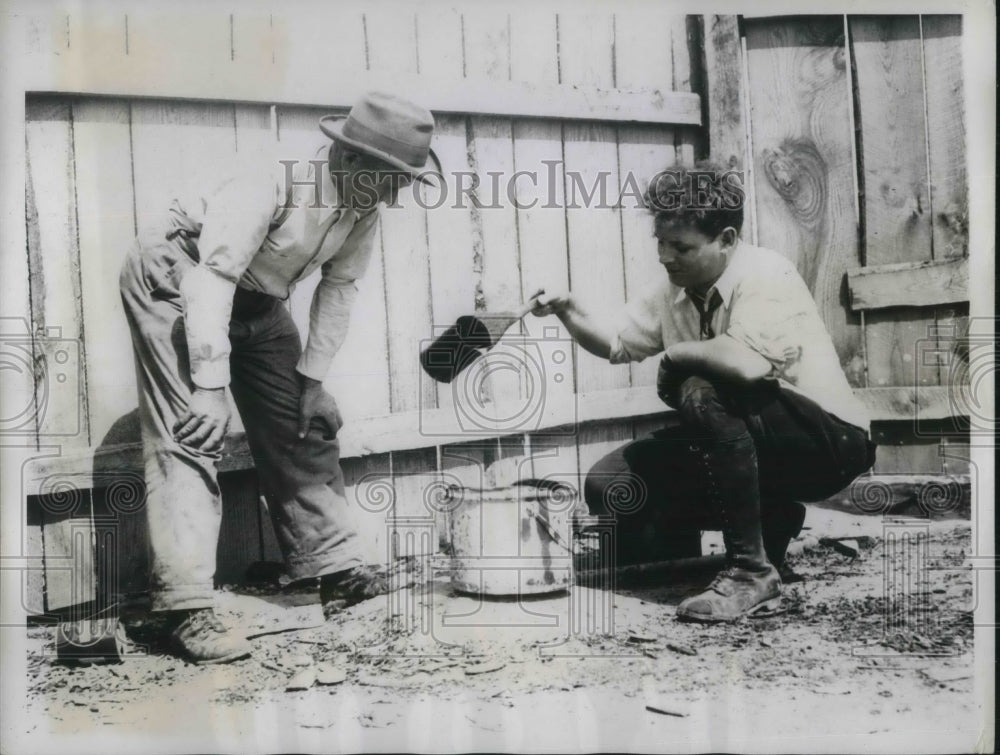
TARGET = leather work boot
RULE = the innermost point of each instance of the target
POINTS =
(343, 589)
(201, 638)
(749, 583)
(781, 523)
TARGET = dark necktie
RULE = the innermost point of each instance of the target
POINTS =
(705, 311)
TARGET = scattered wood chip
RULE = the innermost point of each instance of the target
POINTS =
(947, 674)
(668, 708)
(272, 667)
(300, 660)
(680, 647)
(641, 637)
(845, 547)
(766, 642)
(304, 679)
(484, 668)
(834, 688)
(328, 674)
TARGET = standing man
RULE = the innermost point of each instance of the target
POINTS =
(765, 416)
(204, 293)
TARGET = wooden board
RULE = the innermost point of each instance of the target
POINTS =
(684, 70)
(392, 49)
(67, 534)
(893, 154)
(245, 57)
(909, 284)
(370, 496)
(54, 273)
(594, 235)
(105, 208)
(724, 84)
(541, 230)
(803, 164)
(942, 43)
(642, 59)
(491, 156)
(450, 243)
(415, 481)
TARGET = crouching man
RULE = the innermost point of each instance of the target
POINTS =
(204, 296)
(765, 417)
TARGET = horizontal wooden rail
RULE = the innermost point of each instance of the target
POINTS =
(98, 467)
(909, 284)
(498, 98)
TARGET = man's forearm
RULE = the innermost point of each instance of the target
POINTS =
(586, 331)
(722, 357)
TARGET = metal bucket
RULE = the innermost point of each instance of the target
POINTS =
(512, 541)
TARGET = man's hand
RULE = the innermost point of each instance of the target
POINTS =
(552, 304)
(203, 426)
(314, 401)
(668, 381)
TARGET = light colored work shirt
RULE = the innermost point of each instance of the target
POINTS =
(260, 233)
(766, 306)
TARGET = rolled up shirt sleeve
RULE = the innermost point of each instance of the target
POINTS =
(329, 314)
(236, 219)
(774, 318)
(639, 332)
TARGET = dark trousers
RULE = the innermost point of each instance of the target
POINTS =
(662, 484)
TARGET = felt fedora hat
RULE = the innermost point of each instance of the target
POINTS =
(387, 127)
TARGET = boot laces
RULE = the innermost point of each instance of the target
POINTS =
(206, 619)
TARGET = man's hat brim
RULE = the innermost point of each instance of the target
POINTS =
(333, 127)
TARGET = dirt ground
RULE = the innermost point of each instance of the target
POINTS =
(567, 671)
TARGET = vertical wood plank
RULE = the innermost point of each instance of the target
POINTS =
(803, 164)
(300, 36)
(642, 60)
(449, 239)
(392, 49)
(105, 207)
(541, 228)
(178, 147)
(596, 266)
(890, 94)
(682, 69)
(486, 35)
(723, 81)
(439, 42)
(414, 478)
(449, 220)
(369, 492)
(176, 44)
(942, 48)
(54, 271)
(597, 273)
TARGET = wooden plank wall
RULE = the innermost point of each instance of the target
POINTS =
(111, 165)
(867, 107)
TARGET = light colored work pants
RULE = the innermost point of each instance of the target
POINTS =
(301, 479)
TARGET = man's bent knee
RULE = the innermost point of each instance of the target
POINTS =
(705, 414)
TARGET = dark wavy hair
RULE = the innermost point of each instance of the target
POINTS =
(707, 197)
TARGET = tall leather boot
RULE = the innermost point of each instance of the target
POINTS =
(749, 583)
